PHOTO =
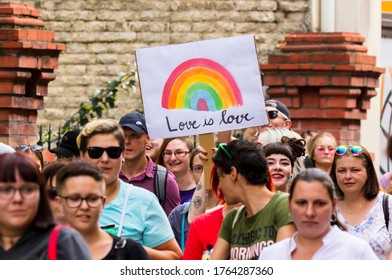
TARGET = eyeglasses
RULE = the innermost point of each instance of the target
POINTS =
(74, 201)
(27, 191)
(51, 193)
(197, 168)
(26, 147)
(97, 152)
(354, 150)
(322, 149)
(179, 154)
(221, 146)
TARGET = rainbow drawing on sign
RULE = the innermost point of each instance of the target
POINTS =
(201, 84)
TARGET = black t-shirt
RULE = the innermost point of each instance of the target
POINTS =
(126, 249)
(33, 245)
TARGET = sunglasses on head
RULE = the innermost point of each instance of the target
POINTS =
(97, 152)
(222, 147)
(26, 147)
(354, 150)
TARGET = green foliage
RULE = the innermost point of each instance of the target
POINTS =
(103, 100)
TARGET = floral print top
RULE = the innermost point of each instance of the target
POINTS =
(373, 228)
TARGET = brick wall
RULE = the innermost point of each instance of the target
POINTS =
(326, 80)
(101, 37)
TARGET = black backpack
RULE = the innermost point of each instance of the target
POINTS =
(160, 177)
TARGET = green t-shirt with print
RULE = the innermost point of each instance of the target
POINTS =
(248, 236)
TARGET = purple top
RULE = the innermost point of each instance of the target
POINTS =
(187, 195)
(146, 180)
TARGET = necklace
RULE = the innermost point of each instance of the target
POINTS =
(349, 213)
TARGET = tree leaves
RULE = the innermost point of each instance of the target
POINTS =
(102, 100)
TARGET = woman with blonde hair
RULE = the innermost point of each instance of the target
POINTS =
(321, 149)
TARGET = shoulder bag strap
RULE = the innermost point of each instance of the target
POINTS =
(186, 207)
(385, 208)
(52, 247)
(124, 210)
(119, 249)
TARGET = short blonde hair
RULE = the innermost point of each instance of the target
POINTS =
(102, 126)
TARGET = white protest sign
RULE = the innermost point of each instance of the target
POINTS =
(201, 87)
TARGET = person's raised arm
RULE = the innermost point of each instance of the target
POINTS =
(198, 204)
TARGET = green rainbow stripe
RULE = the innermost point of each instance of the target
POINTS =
(201, 84)
(199, 90)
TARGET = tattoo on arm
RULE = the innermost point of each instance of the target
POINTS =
(197, 201)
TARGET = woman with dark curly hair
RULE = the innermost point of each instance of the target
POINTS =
(281, 157)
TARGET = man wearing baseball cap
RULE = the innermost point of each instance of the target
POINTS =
(278, 113)
(139, 169)
(67, 149)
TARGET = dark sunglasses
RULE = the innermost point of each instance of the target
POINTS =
(354, 150)
(273, 114)
(51, 193)
(26, 147)
(97, 152)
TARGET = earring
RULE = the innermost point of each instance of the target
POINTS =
(333, 220)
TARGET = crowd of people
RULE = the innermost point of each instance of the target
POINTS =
(114, 193)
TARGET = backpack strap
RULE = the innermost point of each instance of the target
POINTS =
(52, 246)
(184, 215)
(385, 208)
(119, 248)
(160, 178)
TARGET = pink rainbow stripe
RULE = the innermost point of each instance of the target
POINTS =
(198, 62)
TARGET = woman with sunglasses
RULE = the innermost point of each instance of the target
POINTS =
(26, 222)
(130, 211)
(35, 151)
(321, 149)
(243, 177)
(360, 205)
(320, 235)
